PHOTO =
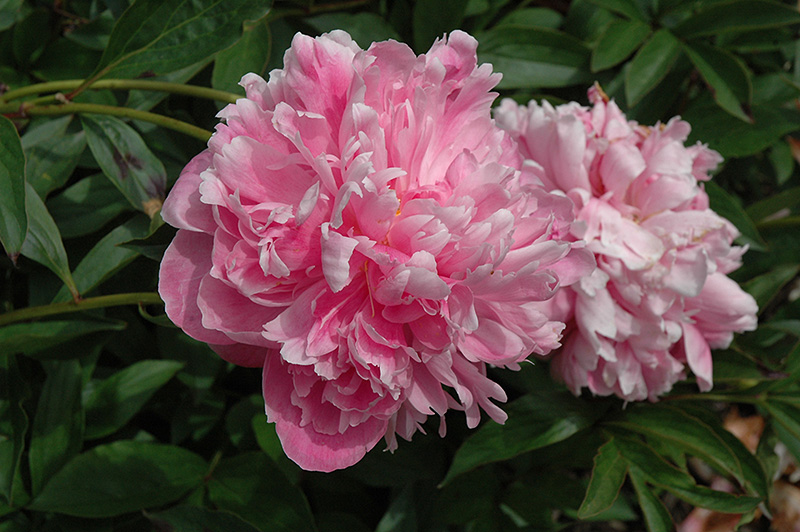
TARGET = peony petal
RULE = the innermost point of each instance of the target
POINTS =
(186, 262)
(308, 448)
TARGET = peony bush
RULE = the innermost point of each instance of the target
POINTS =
(250, 246)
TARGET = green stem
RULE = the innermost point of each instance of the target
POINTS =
(786, 222)
(114, 300)
(90, 108)
(720, 397)
(123, 84)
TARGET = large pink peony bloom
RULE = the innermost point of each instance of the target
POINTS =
(660, 297)
(357, 227)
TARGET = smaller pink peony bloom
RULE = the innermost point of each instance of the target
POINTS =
(660, 298)
(359, 229)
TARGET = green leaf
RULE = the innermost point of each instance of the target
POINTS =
(121, 477)
(627, 8)
(113, 402)
(531, 57)
(766, 286)
(785, 422)
(154, 243)
(31, 338)
(786, 199)
(434, 18)
(364, 28)
(9, 11)
(619, 41)
(146, 100)
(650, 65)
(160, 36)
(538, 17)
(13, 425)
(250, 54)
(739, 15)
(43, 241)
(127, 161)
(533, 421)
(657, 471)
(268, 441)
(52, 159)
(106, 257)
(728, 207)
(198, 519)
(13, 219)
(87, 206)
(656, 515)
(608, 475)
(27, 43)
(780, 156)
(401, 516)
(250, 486)
(94, 34)
(700, 435)
(726, 76)
(733, 137)
(57, 432)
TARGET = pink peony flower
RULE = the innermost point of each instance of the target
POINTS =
(660, 298)
(357, 227)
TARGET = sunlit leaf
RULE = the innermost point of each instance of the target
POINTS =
(608, 475)
(160, 36)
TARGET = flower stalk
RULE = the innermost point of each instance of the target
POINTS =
(122, 84)
(12, 110)
(113, 300)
